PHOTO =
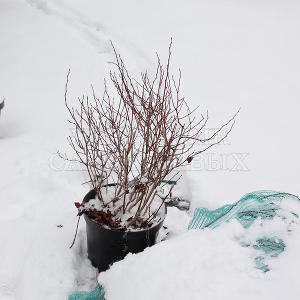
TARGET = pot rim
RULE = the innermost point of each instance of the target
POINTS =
(93, 192)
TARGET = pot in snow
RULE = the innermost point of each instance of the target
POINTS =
(106, 246)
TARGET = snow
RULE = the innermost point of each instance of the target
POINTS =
(232, 54)
(211, 263)
(208, 263)
(156, 211)
(196, 264)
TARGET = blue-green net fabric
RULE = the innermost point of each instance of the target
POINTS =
(96, 294)
(264, 206)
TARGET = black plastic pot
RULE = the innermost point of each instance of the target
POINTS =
(106, 246)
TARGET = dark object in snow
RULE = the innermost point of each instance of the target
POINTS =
(1, 106)
(60, 226)
(106, 246)
(77, 204)
(189, 159)
(180, 203)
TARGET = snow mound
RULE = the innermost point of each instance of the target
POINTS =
(202, 264)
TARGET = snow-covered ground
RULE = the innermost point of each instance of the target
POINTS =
(232, 54)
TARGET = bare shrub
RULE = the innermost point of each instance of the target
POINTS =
(139, 139)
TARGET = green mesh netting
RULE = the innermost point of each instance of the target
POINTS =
(263, 205)
(96, 294)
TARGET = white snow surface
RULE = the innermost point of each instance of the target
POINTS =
(208, 264)
(211, 264)
(232, 54)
